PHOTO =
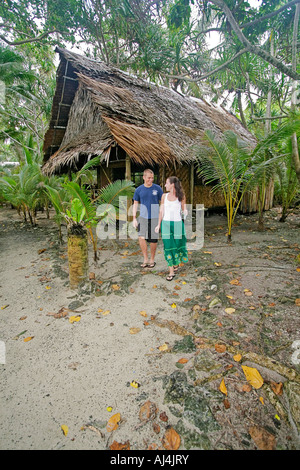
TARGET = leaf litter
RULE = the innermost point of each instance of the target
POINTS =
(235, 350)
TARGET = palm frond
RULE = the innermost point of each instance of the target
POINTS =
(111, 193)
(90, 164)
(77, 192)
(58, 198)
(285, 131)
(223, 163)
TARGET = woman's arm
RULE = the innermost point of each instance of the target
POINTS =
(161, 213)
(183, 207)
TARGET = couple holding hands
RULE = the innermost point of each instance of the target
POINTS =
(166, 216)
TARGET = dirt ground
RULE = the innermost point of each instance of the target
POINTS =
(150, 364)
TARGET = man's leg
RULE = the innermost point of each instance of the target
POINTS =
(144, 248)
(153, 238)
(152, 252)
(143, 228)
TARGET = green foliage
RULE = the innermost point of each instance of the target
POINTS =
(22, 189)
(179, 14)
(75, 205)
(77, 211)
(287, 188)
(156, 40)
(233, 169)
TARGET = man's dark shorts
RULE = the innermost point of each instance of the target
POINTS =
(146, 229)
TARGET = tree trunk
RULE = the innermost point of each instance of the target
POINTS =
(242, 116)
(263, 183)
(78, 258)
(295, 149)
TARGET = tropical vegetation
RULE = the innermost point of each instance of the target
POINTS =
(243, 55)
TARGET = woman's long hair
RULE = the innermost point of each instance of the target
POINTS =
(177, 186)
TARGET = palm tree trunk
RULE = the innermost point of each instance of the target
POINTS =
(78, 257)
(94, 243)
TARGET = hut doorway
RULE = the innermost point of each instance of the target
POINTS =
(137, 172)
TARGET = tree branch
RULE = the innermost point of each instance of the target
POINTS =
(25, 41)
(270, 15)
(271, 118)
(251, 47)
(212, 72)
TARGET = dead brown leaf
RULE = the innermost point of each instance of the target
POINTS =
(156, 428)
(119, 446)
(226, 403)
(113, 422)
(148, 411)
(134, 330)
(115, 286)
(62, 312)
(183, 360)
(163, 416)
(277, 387)
(171, 439)
(220, 348)
(262, 438)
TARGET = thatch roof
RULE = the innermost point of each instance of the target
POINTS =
(97, 106)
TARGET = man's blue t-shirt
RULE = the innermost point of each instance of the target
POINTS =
(149, 199)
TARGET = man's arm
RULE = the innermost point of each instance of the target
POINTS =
(134, 212)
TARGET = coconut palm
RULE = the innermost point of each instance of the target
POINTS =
(286, 186)
(21, 190)
(229, 166)
(75, 205)
(280, 141)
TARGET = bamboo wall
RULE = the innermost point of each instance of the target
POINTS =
(195, 193)
(250, 200)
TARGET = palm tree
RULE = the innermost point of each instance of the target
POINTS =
(22, 191)
(286, 186)
(230, 167)
(280, 141)
(75, 205)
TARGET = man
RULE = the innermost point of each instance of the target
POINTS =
(148, 196)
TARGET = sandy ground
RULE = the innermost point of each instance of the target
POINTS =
(80, 374)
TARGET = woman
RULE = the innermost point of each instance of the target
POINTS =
(172, 227)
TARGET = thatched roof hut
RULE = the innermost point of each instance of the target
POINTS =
(100, 110)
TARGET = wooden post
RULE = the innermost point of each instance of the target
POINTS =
(128, 178)
(98, 177)
(163, 177)
(128, 168)
(192, 184)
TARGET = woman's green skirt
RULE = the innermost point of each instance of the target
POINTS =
(174, 239)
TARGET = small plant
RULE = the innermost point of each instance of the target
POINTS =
(74, 204)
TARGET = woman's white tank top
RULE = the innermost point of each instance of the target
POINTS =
(172, 210)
